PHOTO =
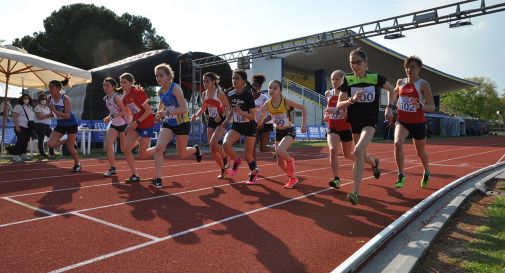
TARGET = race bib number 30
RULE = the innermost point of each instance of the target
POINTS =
(367, 93)
(405, 104)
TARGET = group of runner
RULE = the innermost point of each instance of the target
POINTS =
(352, 115)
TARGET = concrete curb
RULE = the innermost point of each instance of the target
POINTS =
(406, 249)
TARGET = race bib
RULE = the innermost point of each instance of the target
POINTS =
(367, 95)
(239, 119)
(133, 108)
(169, 110)
(212, 111)
(281, 120)
(405, 104)
(337, 115)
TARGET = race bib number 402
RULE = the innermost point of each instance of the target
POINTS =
(406, 104)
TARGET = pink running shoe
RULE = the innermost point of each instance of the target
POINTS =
(291, 182)
(252, 178)
(291, 167)
(234, 170)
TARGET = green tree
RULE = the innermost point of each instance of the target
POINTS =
(87, 36)
(480, 102)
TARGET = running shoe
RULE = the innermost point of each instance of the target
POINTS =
(291, 167)
(226, 163)
(133, 179)
(112, 171)
(335, 183)
(234, 170)
(198, 153)
(156, 182)
(223, 172)
(400, 182)
(425, 180)
(376, 171)
(291, 182)
(353, 198)
(252, 177)
(76, 168)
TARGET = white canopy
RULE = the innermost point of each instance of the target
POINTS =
(31, 71)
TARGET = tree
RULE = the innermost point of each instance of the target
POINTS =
(88, 36)
(480, 102)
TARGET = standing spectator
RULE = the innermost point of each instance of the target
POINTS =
(23, 115)
(9, 109)
(43, 124)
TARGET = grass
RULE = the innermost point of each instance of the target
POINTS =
(488, 251)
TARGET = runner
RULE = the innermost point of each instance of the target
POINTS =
(141, 124)
(361, 96)
(415, 98)
(117, 120)
(215, 106)
(173, 110)
(66, 123)
(244, 124)
(263, 132)
(279, 107)
(339, 130)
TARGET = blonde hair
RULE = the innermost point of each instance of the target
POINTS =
(165, 68)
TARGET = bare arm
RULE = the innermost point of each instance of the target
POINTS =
(428, 97)
(296, 105)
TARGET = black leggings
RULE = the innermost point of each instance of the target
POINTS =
(43, 130)
(22, 139)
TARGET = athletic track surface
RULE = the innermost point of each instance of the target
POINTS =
(52, 220)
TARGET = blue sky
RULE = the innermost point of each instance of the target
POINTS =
(221, 26)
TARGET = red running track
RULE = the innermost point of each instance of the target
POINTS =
(54, 221)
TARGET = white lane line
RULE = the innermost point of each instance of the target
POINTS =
(126, 250)
(200, 189)
(122, 251)
(147, 199)
(499, 160)
(97, 173)
(167, 176)
(151, 237)
(83, 216)
(30, 207)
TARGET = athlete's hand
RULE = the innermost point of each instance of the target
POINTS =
(331, 110)
(304, 128)
(106, 119)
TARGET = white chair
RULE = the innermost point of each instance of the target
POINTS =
(33, 145)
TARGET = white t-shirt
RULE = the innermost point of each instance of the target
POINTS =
(45, 111)
(259, 103)
(22, 120)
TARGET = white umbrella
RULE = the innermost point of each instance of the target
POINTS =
(19, 68)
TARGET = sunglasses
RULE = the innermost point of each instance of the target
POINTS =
(357, 62)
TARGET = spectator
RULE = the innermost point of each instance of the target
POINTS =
(43, 124)
(22, 114)
(9, 108)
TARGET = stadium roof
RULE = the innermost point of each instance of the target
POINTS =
(381, 59)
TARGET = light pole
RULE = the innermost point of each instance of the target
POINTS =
(499, 121)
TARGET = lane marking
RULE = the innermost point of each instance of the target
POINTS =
(43, 211)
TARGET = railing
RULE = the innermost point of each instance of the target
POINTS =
(314, 102)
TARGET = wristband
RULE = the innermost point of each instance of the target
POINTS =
(390, 106)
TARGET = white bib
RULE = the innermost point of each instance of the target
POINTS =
(404, 104)
(367, 95)
(280, 120)
(213, 112)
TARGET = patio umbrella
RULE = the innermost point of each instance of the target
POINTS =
(19, 68)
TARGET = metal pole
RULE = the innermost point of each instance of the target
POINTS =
(2, 149)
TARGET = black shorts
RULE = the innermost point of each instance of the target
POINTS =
(345, 136)
(120, 128)
(266, 128)
(280, 134)
(356, 128)
(416, 130)
(211, 123)
(72, 129)
(179, 130)
(246, 129)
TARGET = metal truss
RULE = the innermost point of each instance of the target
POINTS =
(391, 28)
